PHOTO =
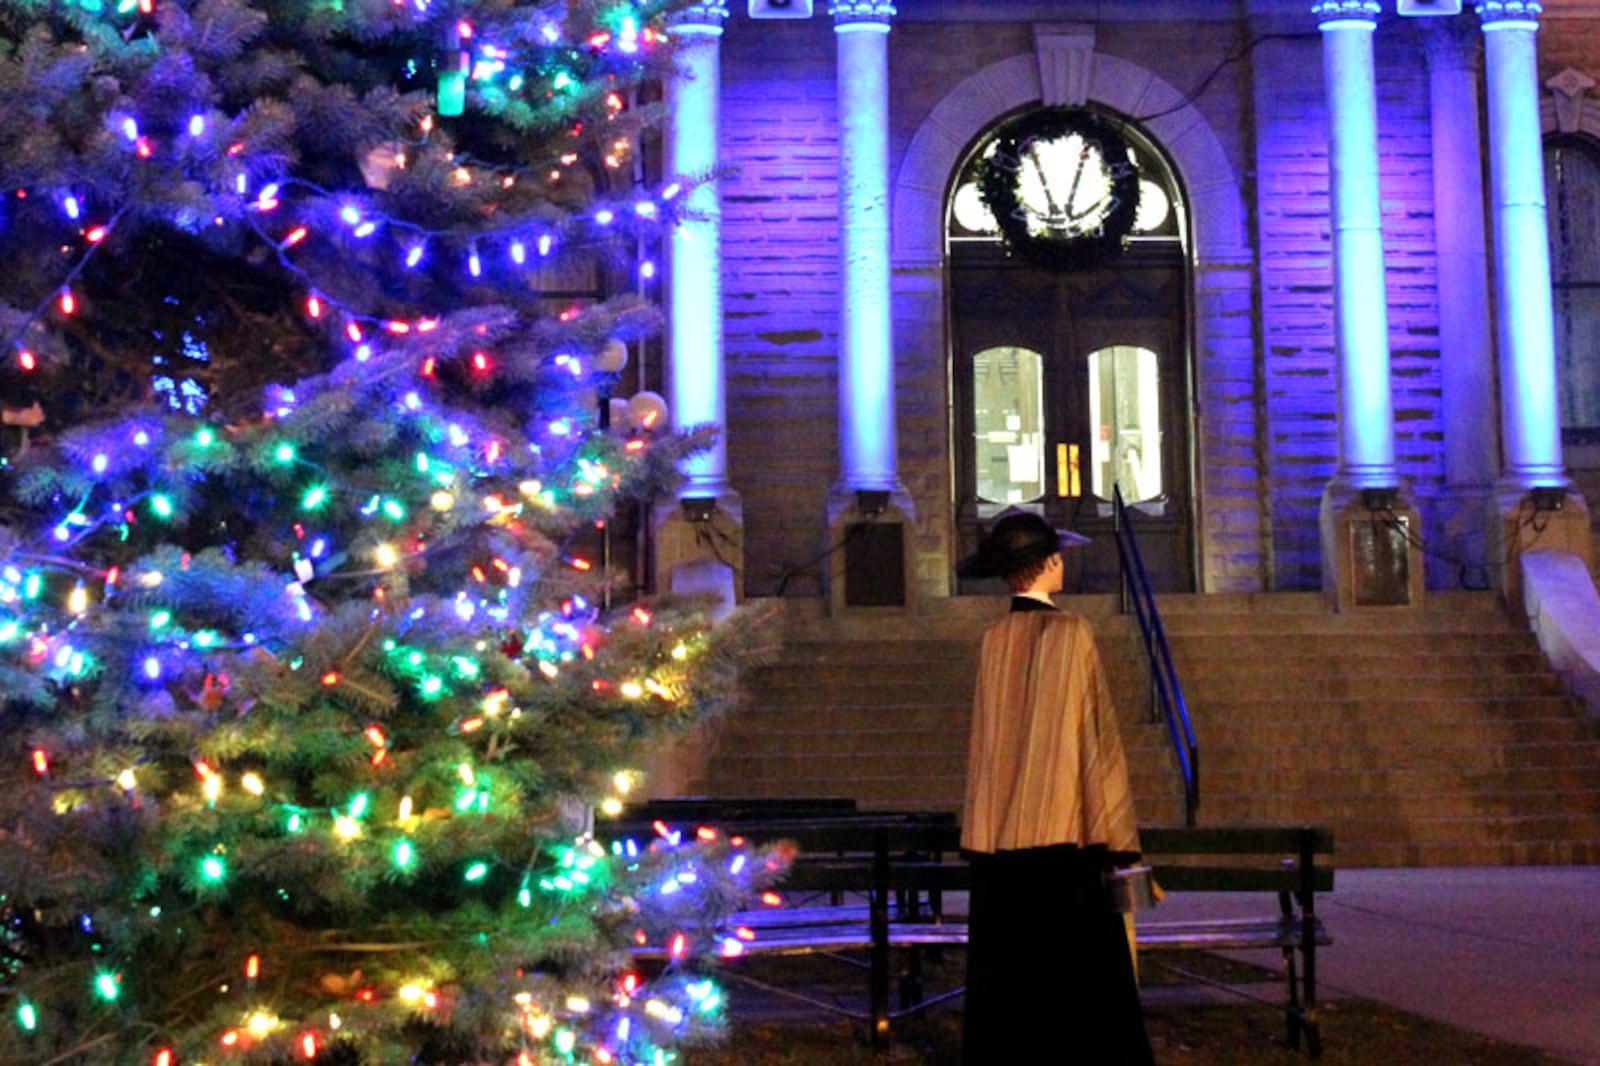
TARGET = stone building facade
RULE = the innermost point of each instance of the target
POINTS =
(1232, 99)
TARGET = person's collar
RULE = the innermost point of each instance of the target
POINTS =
(1042, 597)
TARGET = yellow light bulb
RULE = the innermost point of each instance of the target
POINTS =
(261, 1023)
(412, 993)
(386, 555)
(346, 827)
(212, 788)
(632, 689)
(623, 781)
(442, 501)
(680, 652)
(78, 599)
(405, 808)
(252, 784)
(611, 807)
(126, 781)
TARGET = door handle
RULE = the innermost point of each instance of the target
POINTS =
(1069, 483)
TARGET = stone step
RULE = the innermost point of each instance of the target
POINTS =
(1581, 806)
(1456, 757)
(1476, 853)
(949, 684)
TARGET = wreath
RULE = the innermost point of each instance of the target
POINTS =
(997, 183)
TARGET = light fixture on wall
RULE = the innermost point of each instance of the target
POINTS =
(698, 508)
(780, 9)
(872, 502)
(1548, 498)
(1424, 8)
(1378, 500)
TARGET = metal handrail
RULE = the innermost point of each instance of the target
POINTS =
(1166, 693)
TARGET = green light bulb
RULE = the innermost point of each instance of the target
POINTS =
(284, 453)
(161, 505)
(106, 985)
(314, 498)
(27, 1017)
(205, 438)
(403, 854)
(358, 806)
(477, 871)
(213, 869)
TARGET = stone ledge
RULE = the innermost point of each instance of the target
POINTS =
(1564, 611)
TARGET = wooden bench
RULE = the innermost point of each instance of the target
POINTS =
(903, 864)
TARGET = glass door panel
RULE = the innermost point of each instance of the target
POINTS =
(1008, 424)
(1125, 423)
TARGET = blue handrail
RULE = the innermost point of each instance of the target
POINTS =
(1166, 693)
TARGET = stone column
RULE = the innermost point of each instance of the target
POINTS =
(866, 346)
(1537, 506)
(1528, 409)
(1466, 348)
(696, 375)
(698, 546)
(869, 512)
(1361, 308)
(1366, 556)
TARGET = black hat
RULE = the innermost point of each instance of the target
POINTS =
(1018, 540)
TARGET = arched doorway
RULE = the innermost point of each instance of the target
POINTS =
(1070, 378)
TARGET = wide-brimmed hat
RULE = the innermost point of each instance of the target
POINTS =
(1017, 541)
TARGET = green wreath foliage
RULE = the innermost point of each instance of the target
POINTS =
(997, 183)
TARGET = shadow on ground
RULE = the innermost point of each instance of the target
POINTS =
(1191, 1021)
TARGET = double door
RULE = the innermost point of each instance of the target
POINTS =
(1066, 385)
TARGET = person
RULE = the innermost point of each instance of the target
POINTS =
(1048, 814)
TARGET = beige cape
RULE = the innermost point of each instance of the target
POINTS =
(1045, 763)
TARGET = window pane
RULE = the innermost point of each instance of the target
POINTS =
(1008, 424)
(1125, 421)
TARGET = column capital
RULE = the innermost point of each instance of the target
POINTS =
(703, 16)
(861, 12)
(1491, 12)
(1346, 11)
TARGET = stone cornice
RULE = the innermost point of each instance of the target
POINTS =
(1492, 11)
(707, 14)
(845, 12)
(1362, 10)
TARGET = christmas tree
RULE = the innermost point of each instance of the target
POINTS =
(308, 668)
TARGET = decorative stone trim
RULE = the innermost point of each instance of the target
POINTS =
(1066, 62)
(1569, 88)
(846, 12)
(1491, 11)
(704, 15)
(1364, 10)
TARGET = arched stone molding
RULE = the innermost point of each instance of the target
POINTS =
(1229, 520)
(1208, 178)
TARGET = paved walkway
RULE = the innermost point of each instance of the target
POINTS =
(1513, 953)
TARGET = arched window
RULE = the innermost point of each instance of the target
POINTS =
(1572, 181)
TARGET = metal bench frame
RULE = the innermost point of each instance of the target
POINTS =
(903, 863)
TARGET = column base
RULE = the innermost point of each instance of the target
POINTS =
(698, 549)
(1526, 521)
(1463, 520)
(1370, 548)
(871, 564)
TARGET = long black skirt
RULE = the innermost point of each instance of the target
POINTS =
(1049, 975)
